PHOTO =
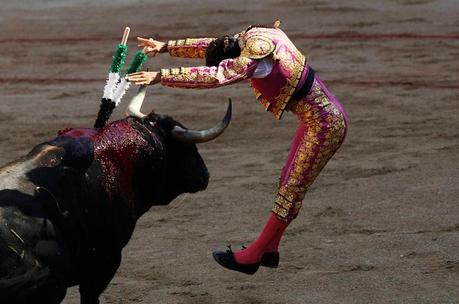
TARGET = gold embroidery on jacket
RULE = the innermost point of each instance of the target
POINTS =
(189, 48)
(287, 91)
(258, 47)
(288, 56)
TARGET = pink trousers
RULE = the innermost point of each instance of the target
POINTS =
(321, 130)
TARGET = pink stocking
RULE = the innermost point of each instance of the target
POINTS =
(269, 238)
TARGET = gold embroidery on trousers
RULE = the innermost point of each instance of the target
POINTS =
(325, 130)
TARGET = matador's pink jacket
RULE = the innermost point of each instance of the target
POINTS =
(273, 92)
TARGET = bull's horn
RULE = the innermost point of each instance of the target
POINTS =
(134, 106)
(191, 136)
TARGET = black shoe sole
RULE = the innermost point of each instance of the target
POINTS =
(226, 259)
(270, 259)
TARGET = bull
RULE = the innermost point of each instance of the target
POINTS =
(71, 204)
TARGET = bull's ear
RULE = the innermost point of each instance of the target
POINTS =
(133, 109)
(77, 153)
(45, 154)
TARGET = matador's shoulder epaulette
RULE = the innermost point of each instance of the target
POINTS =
(258, 47)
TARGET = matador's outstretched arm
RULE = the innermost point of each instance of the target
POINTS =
(227, 72)
(185, 48)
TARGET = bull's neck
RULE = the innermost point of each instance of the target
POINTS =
(123, 154)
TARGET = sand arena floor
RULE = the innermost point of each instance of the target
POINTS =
(381, 223)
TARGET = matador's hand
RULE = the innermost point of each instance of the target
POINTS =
(144, 78)
(151, 47)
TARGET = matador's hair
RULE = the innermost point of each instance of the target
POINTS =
(222, 48)
(226, 47)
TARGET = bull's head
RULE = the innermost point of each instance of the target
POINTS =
(185, 170)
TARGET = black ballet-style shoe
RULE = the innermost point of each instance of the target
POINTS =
(227, 260)
(270, 259)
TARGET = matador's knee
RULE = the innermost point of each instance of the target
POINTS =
(287, 205)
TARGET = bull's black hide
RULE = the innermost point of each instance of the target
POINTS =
(69, 207)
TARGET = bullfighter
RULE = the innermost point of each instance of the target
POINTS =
(282, 80)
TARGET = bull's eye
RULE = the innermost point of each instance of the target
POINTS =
(152, 123)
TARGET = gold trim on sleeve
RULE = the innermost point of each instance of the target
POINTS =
(165, 72)
(171, 43)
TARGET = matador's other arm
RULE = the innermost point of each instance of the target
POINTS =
(227, 72)
(184, 48)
